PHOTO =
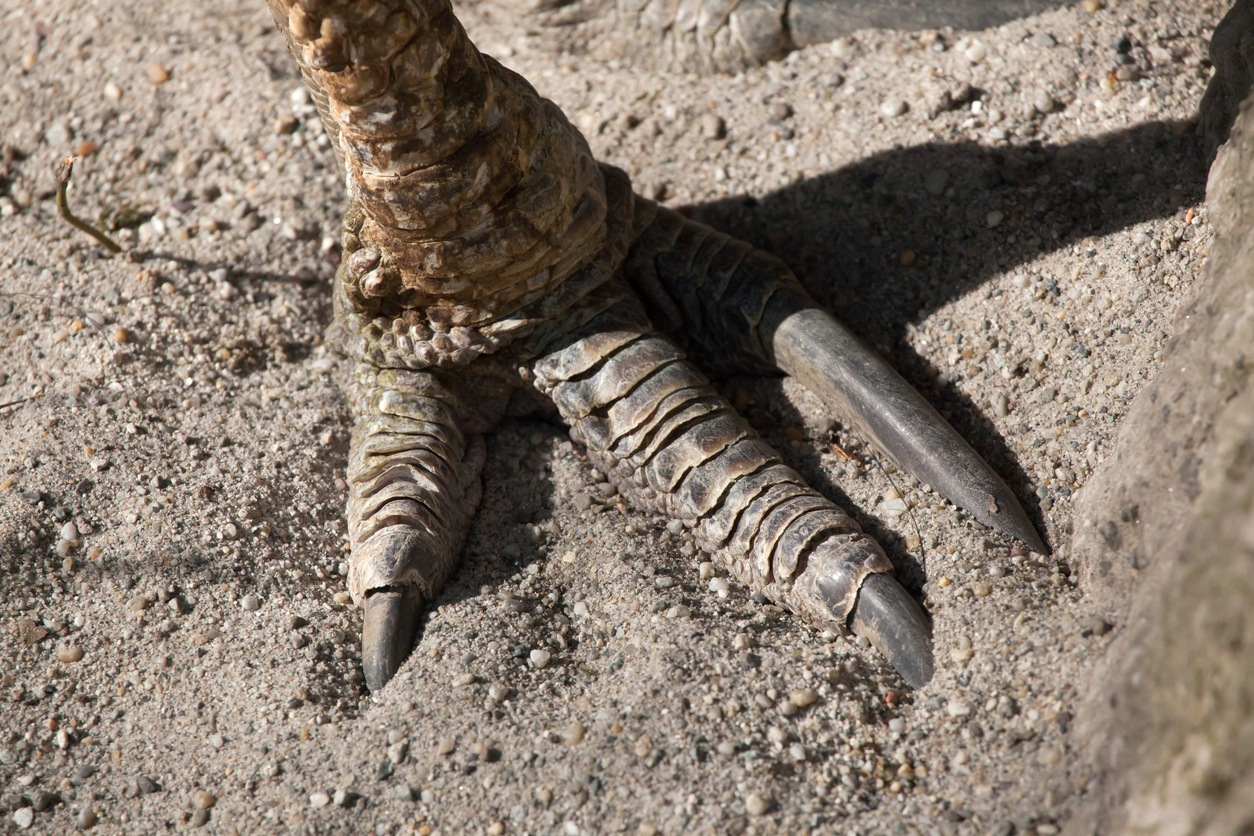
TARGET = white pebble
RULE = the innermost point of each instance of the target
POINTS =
(581, 609)
(957, 708)
(756, 804)
(897, 725)
(976, 53)
(892, 108)
(250, 603)
(69, 531)
(720, 587)
(539, 657)
(319, 799)
(706, 570)
(995, 218)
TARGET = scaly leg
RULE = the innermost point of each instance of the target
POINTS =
(414, 484)
(651, 421)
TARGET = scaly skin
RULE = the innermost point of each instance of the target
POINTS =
(485, 250)
(727, 36)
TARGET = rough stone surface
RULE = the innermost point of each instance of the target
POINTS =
(1169, 710)
(1232, 53)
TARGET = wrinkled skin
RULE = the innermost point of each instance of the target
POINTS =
(490, 260)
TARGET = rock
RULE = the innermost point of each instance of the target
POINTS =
(1232, 54)
(23, 817)
(935, 181)
(319, 800)
(86, 818)
(892, 108)
(712, 126)
(204, 799)
(158, 74)
(757, 804)
(803, 698)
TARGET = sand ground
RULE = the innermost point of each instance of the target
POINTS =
(1012, 217)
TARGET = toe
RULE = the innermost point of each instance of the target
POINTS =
(391, 623)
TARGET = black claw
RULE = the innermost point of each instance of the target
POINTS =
(391, 622)
(891, 620)
(820, 352)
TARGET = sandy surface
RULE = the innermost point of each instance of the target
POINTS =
(1003, 216)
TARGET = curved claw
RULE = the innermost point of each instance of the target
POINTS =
(810, 345)
(888, 617)
(390, 625)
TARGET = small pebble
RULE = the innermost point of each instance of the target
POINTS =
(1048, 756)
(780, 110)
(204, 799)
(319, 799)
(720, 587)
(158, 74)
(957, 708)
(935, 181)
(86, 818)
(643, 746)
(756, 804)
(892, 108)
(742, 642)
(705, 571)
(679, 611)
(1092, 6)
(994, 218)
(976, 52)
(574, 733)
(496, 828)
(539, 657)
(1044, 39)
(712, 126)
(446, 746)
(497, 692)
(803, 698)
(70, 654)
(112, 92)
(24, 817)
(1044, 103)
(897, 725)
(250, 603)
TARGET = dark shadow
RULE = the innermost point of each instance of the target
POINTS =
(844, 234)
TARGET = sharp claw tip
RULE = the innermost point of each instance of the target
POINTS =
(390, 624)
(892, 621)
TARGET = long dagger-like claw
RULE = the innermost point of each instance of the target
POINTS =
(891, 620)
(387, 636)
(810, 345)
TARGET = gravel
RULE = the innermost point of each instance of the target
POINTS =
(193, 438)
